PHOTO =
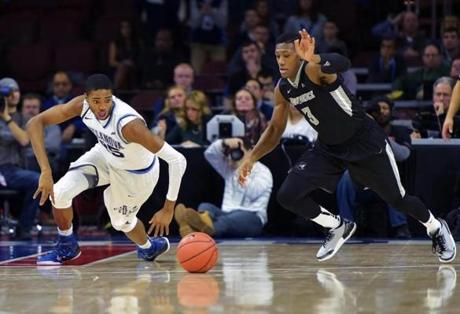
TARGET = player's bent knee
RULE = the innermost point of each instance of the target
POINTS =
(63, 196)
(125, 226)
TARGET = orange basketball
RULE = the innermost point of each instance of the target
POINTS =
(197, 252)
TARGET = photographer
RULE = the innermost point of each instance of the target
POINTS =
(244, 209)
(12, 139)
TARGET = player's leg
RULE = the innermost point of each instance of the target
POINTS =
(313, 171)
(123, 199)
(70, 185)
(87, 172)
(380, 173)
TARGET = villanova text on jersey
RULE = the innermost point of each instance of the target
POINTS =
(112, 145)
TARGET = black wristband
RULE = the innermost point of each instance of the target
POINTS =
(9, 121)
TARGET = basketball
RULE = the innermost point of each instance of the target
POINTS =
(197, 252)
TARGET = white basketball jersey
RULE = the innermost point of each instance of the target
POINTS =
(118, 152)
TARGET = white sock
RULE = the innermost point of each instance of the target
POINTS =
(432, 225)
(146, 245)
(327, 219)
(67, 232)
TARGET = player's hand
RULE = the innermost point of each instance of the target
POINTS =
(447, 128)
(244, 170)
(45, 187)
(161, 219)
(305, 46)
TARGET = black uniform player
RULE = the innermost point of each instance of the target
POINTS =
(347, 139)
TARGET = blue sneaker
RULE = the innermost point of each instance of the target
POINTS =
(159, 246)
(66, 249)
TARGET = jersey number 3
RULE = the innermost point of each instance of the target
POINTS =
(307, 112)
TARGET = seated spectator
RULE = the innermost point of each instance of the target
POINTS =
(307, 17)
(173, 112)
(243, 212)
(31, 104)
(244, 107)
(208, 20)
(450, 44)
(330, 39)
(409, 40)
(184, 76)
(158, 61)
(297, 126)
(349, 194)
(192, 132)
(419, 84)
(388, 65)
(263, 105)
(428, 122)
(262, 8)
(13, 139)
(250, 21)
(251, 67)
(62, 93)
(455, 67)
(123, 56)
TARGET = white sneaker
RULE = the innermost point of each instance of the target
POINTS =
(335, 239)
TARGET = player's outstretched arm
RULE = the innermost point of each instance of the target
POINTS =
(35, 127)
(448, 126)
(321, 68)
(270, 137)
(137, 132)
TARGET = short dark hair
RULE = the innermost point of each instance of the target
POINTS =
(32, 96)
(97, 81)
(450, 30)
(250, 42)
(373, 104)
(287, 38)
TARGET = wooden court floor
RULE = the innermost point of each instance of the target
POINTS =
(250, 277)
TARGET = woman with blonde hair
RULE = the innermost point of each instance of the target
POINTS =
(192, 131)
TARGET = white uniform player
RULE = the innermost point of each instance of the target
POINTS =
(125, 157)
(131, 170)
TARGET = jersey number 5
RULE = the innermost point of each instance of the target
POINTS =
(313, 120)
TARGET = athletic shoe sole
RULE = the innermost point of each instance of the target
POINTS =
(52, 263)
(339, 245)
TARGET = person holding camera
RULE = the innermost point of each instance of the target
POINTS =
(12, 139)
(244, 209)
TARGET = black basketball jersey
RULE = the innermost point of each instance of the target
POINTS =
(331, 109)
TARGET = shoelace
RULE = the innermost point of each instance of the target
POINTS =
(439, 244)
